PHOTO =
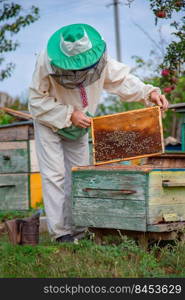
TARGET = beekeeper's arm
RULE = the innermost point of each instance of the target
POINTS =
(119, 81)
(42, 106)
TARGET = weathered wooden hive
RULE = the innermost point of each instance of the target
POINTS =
(141, 198)
(20, 181)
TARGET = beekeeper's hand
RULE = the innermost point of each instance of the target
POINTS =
(159, 100)
(79, 119)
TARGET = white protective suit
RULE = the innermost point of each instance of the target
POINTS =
(51, 105)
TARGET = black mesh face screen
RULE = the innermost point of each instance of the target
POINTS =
(72, 79)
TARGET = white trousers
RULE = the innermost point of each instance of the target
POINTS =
(56, 157)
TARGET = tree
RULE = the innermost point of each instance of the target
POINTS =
(13, 17)
(166, 64)
(175, 52)
(174, 58)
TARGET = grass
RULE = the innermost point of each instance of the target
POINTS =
(116, 258)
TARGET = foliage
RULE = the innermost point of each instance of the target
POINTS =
(174, 57)
(149, 67)
(112, 104)
(176, 95)
(168, 65)
(19, 105)
(165, 68)
(167, 6)
(13, 18)
(5, 118)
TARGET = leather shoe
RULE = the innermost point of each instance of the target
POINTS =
(68, 238)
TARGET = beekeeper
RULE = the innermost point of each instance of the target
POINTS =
(67, 83)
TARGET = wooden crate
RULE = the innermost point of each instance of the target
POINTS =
(128, 135)
(139, 198)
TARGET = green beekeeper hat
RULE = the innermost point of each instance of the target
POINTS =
(75, 47)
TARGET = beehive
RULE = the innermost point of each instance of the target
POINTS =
(20, 180)
(128, 135)
(140, 198)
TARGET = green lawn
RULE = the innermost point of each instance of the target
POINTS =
(120, 257)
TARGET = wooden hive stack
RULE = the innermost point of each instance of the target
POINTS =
(20, 180)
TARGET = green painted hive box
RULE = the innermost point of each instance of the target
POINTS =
(140, 198)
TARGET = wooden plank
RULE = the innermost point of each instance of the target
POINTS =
(109, 207)
(166, 227)
(34, 166)
(14, 192)
(157, 212)
(14, 160)
(86, 219)
(167, 160)
(127, 135)
(116, 167)
(112, 184)
(13, 145)
(16, 133)
(36, 196)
